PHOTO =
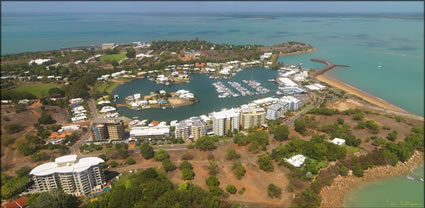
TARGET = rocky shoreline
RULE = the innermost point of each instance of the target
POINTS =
(333, 196)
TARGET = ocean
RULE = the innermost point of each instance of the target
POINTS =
(393, 192)
(364, 43)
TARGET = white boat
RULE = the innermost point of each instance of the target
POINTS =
(163, 108)
(410, 178)
(379, 66)
(422, 179)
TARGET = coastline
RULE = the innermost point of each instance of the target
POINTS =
(359, 93)
(298, 52)
(333, 196)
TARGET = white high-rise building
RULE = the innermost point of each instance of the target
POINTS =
(293, 103)
(192, 128)
(74, 176)
(225, 120)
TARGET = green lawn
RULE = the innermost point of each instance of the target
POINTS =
(39, 90)
(108, 87)
(113, 57)
(351, 149)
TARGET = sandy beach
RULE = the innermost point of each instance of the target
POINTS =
(333, 196)
(359, 93)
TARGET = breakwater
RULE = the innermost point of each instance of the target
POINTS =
(329, 66)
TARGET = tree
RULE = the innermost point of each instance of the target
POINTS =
(7, 140)
(56, 92)
(212, 181)
(265, 162)
(131, 53)
(188, 174)
(161, 155)
(300, 125)
(212, 168)
(23, 171)
(340, 121)
(46, 119)
(26, 149)
(130, 161)
(205, 143)
(232, 154)
(281, 133)
(238, 169)
(13, 128)
(231, 189)
(40, 156)
(274, 191)
(168, 165)
(185, 165)
(343, 171)
(187, 156)
(54, 198)
(147, 151)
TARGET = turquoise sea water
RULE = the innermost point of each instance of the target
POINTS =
(202, 87)
(393, 192)
(360, 42)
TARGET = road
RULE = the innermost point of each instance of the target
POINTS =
(314, 104)
(85, 137)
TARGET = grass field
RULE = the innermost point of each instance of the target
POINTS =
(351, 149)
(39, 90)
(113, 57)
(108, 87)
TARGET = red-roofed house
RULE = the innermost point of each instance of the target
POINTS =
(20, 202)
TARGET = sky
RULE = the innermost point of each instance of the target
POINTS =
(202, 6)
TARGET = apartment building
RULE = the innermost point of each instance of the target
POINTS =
(252, 117)
(74, 176)
(225, 120)
(107, 128)
(192, 128)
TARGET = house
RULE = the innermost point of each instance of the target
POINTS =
(56, 138)
(154, 123)
(338, 141)
(296, 161)
(24, 101)
(20, 202)
(106, 46)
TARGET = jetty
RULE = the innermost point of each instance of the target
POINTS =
(329, 66)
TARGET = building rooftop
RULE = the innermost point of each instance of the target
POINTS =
(107, 120)
(73, 165)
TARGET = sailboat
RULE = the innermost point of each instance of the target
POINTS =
(379, 66)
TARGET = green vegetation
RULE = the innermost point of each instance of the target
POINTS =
(232, 154)
(107, 87)
(265, 162)
(7, 140)
(187, 170)
(206, 143)
(168, 165)
(111, 58)
(130, 161)
(11, 186)
(238, 169)
(231, 189)
(187, 156)
(274, 191)
(257, 140)
(392, 136)
(212, 181)
(212, 168)
(147, 151)
(54, 198)
(46, 119)
(300, 125)
(161, 155)
(281, 132)
(40, 156)
(13, 128)
(38, 90)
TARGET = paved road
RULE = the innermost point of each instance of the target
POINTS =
(85, 137)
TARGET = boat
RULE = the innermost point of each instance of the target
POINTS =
(422, 179)
(271, 80)
(163, 108)
(379, 66)
(410, 178)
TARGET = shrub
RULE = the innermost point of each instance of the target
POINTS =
(361, 125)
(241, 191)
(300, 125)
(185, 165)
(343, 171)
(281, 133)
(147, 151)
(40, 156)
(188, 174)
(231, 189)
(26, 149)
(168, 165)
(23, 171)
(187, 156)
(340, 121)
(392, 136)
(130, 161)
(212, 168)
(113, 164)
(161, 155)
(7, 140)
(232, 154)
(238, 169)
(13, 128)
(265, 162)
(46, 119)
(274, 191)
(205, 143)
